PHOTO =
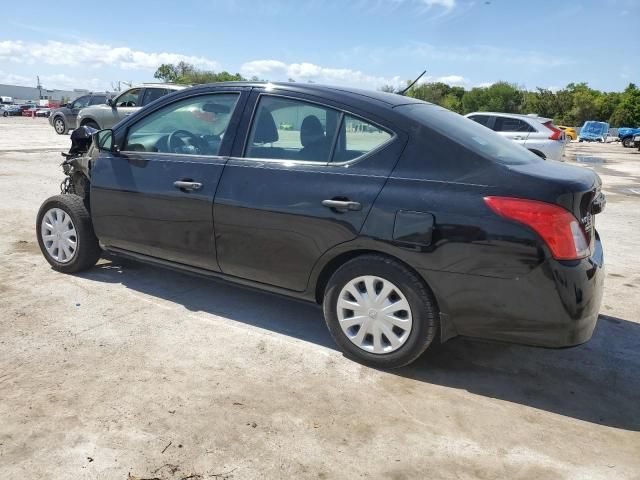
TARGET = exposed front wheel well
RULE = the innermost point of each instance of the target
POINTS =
(88, 122)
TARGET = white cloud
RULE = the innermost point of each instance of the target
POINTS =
(92, 55)
(447, 4)
(303, 72)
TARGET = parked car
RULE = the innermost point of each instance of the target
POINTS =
(569, 132)
(11, 110)
(128, 102)
(626, 135)
(43, 112)
(64, 118)
(536, 134)
(594, 132)
(636, 142)
(404, 220)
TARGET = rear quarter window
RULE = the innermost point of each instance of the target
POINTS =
(469, 134)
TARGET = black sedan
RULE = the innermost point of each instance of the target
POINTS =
(408, 223)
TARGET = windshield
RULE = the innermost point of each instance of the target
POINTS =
(470, 134)
(596, 128)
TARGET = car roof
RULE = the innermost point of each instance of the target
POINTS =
(388, 99)
(171, 86)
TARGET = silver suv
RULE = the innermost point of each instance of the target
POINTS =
(129, 101)
(537, 134)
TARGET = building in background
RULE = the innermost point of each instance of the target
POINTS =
(19, 94)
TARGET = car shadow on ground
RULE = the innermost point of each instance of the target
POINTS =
(598, 382)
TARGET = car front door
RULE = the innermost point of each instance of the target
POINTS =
(74, 108)
(122, 106)
(302, 182)
(155, 195)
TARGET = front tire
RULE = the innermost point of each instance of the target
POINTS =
(627, 142)
(59, 126)
(380, 312)
(65, 234)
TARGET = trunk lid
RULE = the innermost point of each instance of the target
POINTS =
(577, 189)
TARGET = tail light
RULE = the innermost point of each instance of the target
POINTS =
(557, 133)
(560, 230)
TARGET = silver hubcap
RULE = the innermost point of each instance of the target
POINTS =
(374, 314)
(59, 125)
(59, 235)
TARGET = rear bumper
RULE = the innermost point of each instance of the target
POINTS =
(556, 305)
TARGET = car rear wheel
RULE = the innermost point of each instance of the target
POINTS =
(627, 142)
(65, 234)
(59, 126)
(380, 312)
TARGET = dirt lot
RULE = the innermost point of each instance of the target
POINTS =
(130, 371)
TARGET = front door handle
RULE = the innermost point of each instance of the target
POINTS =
(342, 205)
(187, 185)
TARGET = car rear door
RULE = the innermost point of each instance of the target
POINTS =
(302, 180)
(155, 196)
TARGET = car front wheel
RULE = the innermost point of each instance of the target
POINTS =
(380, 312)
(59, 126)
(65, 234)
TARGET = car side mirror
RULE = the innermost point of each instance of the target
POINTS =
(103, 141)
(110, 102)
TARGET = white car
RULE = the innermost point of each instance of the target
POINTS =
(535, 133)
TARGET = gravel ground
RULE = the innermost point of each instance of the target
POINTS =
(130, 372)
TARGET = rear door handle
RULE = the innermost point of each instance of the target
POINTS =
(342, 205)
(187, 185)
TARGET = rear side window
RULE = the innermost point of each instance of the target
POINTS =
(357, 138)
(151, 94)
(481, 119)
(292, 129)
(506, 124)
(469, 134)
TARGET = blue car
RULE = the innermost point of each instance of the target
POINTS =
(7, 110)
(594, 132)
(626, 135)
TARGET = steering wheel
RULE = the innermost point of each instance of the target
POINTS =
(173, 137)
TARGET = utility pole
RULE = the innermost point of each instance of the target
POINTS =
(39, 87)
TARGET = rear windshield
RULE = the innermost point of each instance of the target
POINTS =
(470, 134)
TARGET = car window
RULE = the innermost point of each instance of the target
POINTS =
(481, 119)
(506, 124)
(98, 100)
(80, 102)
(193, 126)
(291, 129)
(151, 94)
(471, 135)
(128, 98)
(358, 138)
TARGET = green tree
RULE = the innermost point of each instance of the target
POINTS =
(186, 73)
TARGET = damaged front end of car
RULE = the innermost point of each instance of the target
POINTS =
(77, 163)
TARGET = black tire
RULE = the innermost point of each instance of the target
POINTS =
(87, 251)
(59, 125)
(5, 114)
(627, 142)
(423, 306)
(91, 124)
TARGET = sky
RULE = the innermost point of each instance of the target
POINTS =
(362, 43)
